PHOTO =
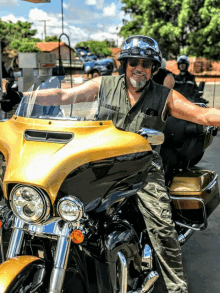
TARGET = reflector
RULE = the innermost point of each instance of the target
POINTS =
(77, 236)
(37, 1)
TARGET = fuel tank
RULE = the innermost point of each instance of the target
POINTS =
(82, 158)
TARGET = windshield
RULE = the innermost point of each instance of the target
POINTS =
(80, 111)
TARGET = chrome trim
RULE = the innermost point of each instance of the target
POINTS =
(184, 237)
(1, 246)
(76, 201)
(148, 283)
(124, 272)
(211, 184)
(60, 262)
(52, 228)
(202, 226)
(16, 240)
(147, 258)
(154, 137)
(46, 213)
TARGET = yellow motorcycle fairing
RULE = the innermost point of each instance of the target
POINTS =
(10, 269)
(46, 164)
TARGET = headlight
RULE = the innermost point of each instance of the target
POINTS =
(70, 208)
(29, 203)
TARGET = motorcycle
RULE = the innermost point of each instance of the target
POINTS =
(69, 182)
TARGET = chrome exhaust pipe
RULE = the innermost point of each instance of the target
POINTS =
(148, 283)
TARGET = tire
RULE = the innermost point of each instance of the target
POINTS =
(196, 160)
(95, 73)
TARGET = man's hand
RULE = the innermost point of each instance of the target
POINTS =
(10, 98)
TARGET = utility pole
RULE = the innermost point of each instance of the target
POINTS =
(45, 29)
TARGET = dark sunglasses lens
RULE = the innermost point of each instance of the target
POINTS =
(133, 62)
(147, 64)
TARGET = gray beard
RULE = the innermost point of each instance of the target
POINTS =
(137, 84)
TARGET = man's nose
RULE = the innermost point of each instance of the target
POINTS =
(140, 65)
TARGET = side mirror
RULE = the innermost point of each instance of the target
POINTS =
(153, 136)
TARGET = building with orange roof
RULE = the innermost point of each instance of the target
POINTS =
(53, 47)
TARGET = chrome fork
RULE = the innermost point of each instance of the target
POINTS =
(60, 263)
(16, 239)
(49, 229)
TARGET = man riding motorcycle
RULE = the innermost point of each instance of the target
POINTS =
(133, 101)
(185, 82)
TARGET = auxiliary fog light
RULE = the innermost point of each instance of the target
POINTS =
(70, 208)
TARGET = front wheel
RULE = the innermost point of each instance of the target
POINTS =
(95, 73)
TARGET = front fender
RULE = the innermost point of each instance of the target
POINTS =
(13, 272)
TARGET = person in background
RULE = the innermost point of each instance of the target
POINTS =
(185, 81)
(164, 76)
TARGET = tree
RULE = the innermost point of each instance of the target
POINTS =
(179, 26)
(52, 39)
(97, 47)
(24, 45)
(19, 35)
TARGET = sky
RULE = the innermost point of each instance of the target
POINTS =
(83, 19)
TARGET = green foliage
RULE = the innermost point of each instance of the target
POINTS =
(179, 26)
(96, 47)
(24, 45)
(19, 35)
(52, 39)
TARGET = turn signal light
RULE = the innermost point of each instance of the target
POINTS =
(0, 224)
(77, 236)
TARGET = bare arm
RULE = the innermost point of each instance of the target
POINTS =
(179, 107)
(169, 81)
(82, 93)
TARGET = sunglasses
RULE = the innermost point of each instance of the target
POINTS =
(133, 62)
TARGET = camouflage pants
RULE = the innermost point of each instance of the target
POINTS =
(154, 203)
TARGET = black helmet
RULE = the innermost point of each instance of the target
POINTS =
(142, 47)
(183, 60)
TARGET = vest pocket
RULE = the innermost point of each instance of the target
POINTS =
(146, 121)
(108, 112)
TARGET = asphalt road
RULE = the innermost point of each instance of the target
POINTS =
(212, 94)
(201, 254)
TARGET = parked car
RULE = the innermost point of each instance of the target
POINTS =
(93, 64)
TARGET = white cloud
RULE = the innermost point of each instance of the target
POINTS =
(123, 15)
(97, 3)
(66, 6)
(110, 10)
(8, 2)
(12, 18)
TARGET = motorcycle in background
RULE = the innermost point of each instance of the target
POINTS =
(69, 182)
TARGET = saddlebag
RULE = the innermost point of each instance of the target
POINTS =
(195, 195)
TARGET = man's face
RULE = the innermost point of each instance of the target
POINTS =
(182, 66)
(138, 72)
